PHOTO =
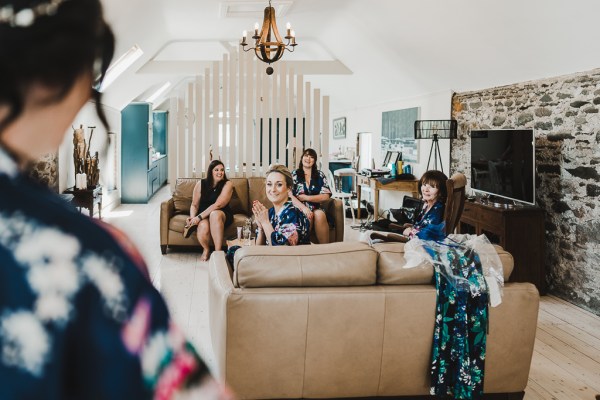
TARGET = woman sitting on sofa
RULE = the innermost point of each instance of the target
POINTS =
(309, 190)
(284, 223)
(210, 211)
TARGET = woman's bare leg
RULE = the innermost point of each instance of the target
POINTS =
(321, 226)
(217, 228)
(203, 235)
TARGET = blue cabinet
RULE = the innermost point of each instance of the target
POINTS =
(142, 131)
(346, 180)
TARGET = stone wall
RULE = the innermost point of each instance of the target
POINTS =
(563, 112)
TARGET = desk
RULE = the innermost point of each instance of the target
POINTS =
(397, 186)
(87, 198)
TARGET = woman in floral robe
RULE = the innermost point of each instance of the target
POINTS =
(79, 317)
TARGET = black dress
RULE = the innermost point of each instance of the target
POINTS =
(208, 197)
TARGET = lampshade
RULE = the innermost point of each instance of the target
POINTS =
(436, 129)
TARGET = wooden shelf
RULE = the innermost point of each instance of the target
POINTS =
(519, 230)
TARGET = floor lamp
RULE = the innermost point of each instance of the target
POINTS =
(435, 130)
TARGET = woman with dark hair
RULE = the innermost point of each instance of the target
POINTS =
(309, 190)
(432, 188)
(79, 317)
(210, 210)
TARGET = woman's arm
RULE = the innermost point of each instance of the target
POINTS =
(261, 215)
(300, 205)
(223, 199)
(195, 204)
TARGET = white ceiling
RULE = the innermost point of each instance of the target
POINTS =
(363, 52)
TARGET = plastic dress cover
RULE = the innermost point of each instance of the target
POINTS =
(417, 254)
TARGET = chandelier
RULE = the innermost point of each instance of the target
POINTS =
(268, 45)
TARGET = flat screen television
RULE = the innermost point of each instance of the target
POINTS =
(503, 164)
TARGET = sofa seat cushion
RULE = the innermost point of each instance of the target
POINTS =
(391, 271)
(333, 264)
(177, 223)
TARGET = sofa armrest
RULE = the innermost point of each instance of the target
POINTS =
(167, 211)
(335, 208)
(220, 288)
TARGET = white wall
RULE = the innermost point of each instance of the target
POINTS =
(368, 119)
(66, 170)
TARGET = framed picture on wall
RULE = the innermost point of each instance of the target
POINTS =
(339, 128)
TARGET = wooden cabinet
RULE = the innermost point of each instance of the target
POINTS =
(141, 176)
(519, 230)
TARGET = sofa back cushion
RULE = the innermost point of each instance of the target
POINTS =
(333, 264)
(239, 199)
(256, 191)
(391, 271)
(182, 196)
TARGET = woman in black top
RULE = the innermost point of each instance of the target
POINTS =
(210, 208)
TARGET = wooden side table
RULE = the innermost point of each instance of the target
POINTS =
(87, 198)
(397, 186)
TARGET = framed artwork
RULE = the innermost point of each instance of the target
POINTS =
(339, 128)
(398, 133)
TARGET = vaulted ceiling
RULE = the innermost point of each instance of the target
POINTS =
(363, 52)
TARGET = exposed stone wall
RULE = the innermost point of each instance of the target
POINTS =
(45, 170)
(563, 111)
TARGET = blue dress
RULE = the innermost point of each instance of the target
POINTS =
(317, 186)
(79, 317)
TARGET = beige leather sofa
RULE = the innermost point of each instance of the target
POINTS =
(174, 211)
(346, 320)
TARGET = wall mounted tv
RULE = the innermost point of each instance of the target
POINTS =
(503, 164)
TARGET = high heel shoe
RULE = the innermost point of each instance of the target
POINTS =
(189, 229)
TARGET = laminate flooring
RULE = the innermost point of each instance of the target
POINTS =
(566, 359)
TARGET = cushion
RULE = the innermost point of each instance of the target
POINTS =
(333, 264)
(182, 196)
(256, 191)
(239, 199)
(391, 271)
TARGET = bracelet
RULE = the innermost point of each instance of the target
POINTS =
(199, 216)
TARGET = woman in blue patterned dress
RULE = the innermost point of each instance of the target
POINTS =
(284, 223)
(79, 317)
(432, 188)
(309, 190)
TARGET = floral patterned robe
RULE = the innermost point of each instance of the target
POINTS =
(290, 226)
(79, 318)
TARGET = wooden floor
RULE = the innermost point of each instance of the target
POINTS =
(566, 360)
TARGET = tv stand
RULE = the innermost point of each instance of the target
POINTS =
(519, 230)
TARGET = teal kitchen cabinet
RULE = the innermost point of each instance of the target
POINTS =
(144, 133)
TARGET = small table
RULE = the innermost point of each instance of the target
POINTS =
(239, 242)
(87, 198)
(411, 186)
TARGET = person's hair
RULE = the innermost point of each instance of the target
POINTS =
(282, 169)
(55, 50)
(314, 174)
(209, 174)
(436, 179)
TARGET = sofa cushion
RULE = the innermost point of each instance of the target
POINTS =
(182, 196)
(391, 271)
(239, 199)
(256, 191)
(333, 264)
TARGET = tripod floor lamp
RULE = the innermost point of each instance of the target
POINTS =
(435, 130)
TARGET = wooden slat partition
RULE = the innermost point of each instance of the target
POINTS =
(246, 118)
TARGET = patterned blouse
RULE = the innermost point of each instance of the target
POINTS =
(290, 226)
(79, 317)
(433, 216)
(317, 186)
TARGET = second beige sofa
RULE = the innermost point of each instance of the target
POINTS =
(173, 212)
